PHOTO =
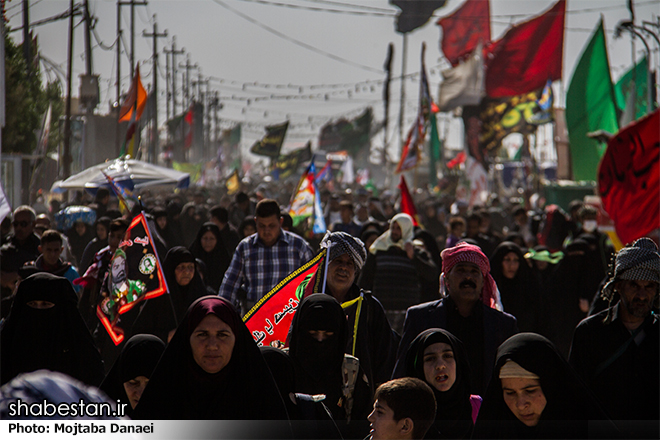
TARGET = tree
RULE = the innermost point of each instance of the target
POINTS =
(26, 102)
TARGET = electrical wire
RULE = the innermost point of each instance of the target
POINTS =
(294, 41)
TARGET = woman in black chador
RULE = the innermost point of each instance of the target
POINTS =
(534, 393)
(44, 330)
(209, 247)
(131, 372)
(161, 315)
(211, 370)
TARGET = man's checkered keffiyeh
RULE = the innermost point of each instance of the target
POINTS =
(342, 243)
(639, 261)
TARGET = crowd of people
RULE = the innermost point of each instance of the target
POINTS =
(495, 321)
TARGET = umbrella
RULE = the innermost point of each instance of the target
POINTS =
(142, 174)
(66, 218)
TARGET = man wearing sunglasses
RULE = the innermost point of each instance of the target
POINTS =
(23, 244)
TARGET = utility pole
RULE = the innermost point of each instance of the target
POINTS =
(188, 68)
(26, 37)
(173, 52)
(154, 134)
(88, 38)
(66, 154)
(132, 4)
(118, 107)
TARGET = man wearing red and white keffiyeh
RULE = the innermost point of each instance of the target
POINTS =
(469, 307)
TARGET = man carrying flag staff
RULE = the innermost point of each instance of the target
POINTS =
(263, 259)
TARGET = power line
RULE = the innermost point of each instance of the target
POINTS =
(297, 42)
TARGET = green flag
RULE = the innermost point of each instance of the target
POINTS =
(590, 106)
(635, 78)
(434, 147)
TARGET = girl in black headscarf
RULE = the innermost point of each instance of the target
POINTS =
(161, 315)
(519, 292)
(130, 373)
(211, 370)
(534, 393)
(439, 358)
(44, 330)
(209, 247)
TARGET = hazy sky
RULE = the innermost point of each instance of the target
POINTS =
(238, 43)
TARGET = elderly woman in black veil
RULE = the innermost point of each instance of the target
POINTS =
(44, 330)
(161, 315)
(209, 247)
(438, 357)
(534, 393)
(130, 373)
(211, 370)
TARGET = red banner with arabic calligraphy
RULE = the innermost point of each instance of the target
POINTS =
(135, 274)
(270, 319)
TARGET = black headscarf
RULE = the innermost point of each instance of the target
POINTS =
(162, 314)
(180, 389)
(217, 261)
(138, 357)
(453, 417)
(570, 405)
(55, 339)
(319, 364)
(519, 294)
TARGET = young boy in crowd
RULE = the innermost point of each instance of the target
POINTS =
(403, 409)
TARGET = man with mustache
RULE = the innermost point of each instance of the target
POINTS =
(617, 351)
(469, 308)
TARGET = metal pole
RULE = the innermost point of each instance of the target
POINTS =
(154, 127)
(118, 108)
(66, 162)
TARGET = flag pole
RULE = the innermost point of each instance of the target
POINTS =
(404, 55)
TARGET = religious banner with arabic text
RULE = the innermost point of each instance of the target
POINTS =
(269, 320)
(135, 274)
(519, 114)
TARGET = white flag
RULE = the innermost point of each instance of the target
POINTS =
(463, 84)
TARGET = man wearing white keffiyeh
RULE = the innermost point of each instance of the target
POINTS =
(371, 338)
(617, 351)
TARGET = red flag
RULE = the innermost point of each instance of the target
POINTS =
(629, 178)
(135, 274)
(464, 29)
(188, 129)
(407, 204)
(270, 319)
(460, 158)
(136, 100)
(528, 55)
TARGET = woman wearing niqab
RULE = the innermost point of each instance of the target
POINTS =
(183, 385)
(455, 407)
(217, 259)
(317, 340)
(44, 330)
(569, 405)
(138, 357)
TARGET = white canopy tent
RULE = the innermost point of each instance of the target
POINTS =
(143, 175)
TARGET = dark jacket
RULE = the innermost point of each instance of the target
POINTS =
(497, 328)
(629, 387)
